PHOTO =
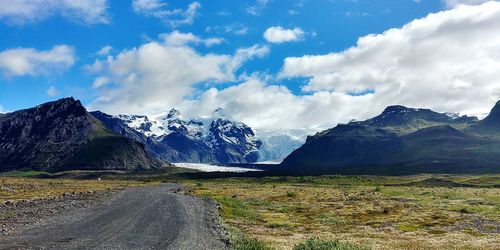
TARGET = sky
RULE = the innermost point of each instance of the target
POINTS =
(269, 63)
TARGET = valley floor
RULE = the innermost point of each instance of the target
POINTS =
(416, 212)
(336, 212)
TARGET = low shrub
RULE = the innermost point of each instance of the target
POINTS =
(319, 244)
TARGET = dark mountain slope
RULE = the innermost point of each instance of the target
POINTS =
(489, 126)
(400, 141)
(158, 150)
(231, 142)
(62, 135)
(186, 149)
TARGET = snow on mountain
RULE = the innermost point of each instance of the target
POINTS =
(279, 143)
(142, 124)
(453, 115)
(230, 141)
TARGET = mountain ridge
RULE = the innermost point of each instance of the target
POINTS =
(402, 140)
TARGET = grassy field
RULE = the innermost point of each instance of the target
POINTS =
(342, 212)
(315, 213)
(17, 186)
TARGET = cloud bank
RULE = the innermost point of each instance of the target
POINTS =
(161, 74)
(447, 61)
(454, 3)
(32, 62)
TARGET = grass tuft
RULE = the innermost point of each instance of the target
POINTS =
(241, 241)
(318, 244)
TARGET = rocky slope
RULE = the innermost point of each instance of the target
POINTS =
(403, 141)
(155, 149)
(62, 135)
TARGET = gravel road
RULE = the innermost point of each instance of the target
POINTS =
(139, 218)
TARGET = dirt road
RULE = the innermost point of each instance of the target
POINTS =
(138, 218)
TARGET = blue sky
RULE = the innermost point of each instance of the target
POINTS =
(325, 27)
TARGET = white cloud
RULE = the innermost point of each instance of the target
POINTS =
(453, 3)
(447, 61)
(20, 12)
(257, 7)
(2, 110)
(52, 91)
(279, 34)
(104, 51)
(158, 75)
(148, 6)
(29, 61)
(99, 82)
(244, 54)
(235, 28)
(171, 17)
(177, 38)
(261, 105)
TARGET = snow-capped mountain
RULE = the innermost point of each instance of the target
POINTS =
(141, 123)
(213, 139)
(216, 138)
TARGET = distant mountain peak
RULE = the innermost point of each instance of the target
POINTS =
(399, 115)
(173, 113)
(453, 115)
(495, 112)
(492, 122)
(400, 109)
(396, 108)
(401, 119)
(64, 106)
(219, 112)
(67, 101)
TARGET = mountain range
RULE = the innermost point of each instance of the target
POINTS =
(62, 135)
(403, 140)
(214, 139)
